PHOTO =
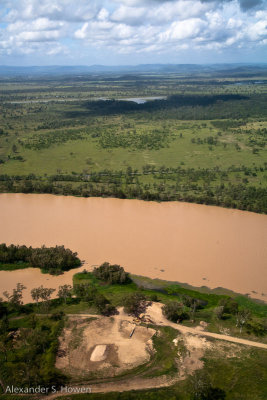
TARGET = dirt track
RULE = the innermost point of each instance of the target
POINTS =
(156, 315)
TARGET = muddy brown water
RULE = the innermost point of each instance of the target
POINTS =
(196, 244)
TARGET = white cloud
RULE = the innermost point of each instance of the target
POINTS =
(186, 29)
(258, 30)
(130, 26)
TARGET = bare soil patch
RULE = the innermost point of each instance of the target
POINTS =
(103, 347)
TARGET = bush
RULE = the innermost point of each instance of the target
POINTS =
(111, 274)
(154, 297)
(256, 327)
(230, 306)
(85, 291)
(103, 305)
(174, 311)
(134, 303)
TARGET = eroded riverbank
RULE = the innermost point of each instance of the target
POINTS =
(196, 244)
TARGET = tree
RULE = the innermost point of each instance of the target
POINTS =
(36, 294)
(219, 311)
(65, 292)
(6, 341)
(85, 291)
(44, 294)
(16, 297)
(3, 309)
(230, 306)
(111, 274)
(174, 311)
(242, 317)
(134, 303)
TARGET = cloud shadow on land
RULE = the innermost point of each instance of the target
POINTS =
(113, 107)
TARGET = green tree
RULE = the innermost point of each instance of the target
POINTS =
(85, 291)
(174, 311)
(111, 274)
(15, 299)
(134, 303)
(44, 294)
(65, 292)
(36, 294)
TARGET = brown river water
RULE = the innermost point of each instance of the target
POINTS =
(196, 244)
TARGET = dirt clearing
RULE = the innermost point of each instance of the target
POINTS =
(103, 347)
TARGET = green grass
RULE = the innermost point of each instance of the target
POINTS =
(13, 267)
(164, 360)
(244, 376)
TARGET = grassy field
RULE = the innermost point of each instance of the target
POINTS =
(206, 143)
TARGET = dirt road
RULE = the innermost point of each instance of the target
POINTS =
(155, 312)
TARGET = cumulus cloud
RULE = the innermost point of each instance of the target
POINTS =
(54, 27)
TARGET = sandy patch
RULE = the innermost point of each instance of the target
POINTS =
(103, 347)
(195, 347)
(98, 353)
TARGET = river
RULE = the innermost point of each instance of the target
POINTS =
(196, 244)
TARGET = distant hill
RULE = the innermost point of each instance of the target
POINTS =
(241, 70)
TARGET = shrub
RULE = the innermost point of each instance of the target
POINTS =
(111, 274)
(134, 303)
(174, 311)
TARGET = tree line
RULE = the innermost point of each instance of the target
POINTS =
(53, 260)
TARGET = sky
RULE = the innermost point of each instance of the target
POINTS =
(130, 32)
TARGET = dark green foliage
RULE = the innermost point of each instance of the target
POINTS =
(181, 184)
(111, 274)
(57, 316)
(53, 260)
(175, 311)
(89, 293)
(134, 303)
(3, 309)
(103, 305)
(229, 306)
(256, 327)
(13, 254)
(85, 291)
(186, 104)
(228, 124)
(210, 393)
(48, 139)
(201, 388)
(154, 140)
(29, 356)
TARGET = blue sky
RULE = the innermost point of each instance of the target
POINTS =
(113, 32)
